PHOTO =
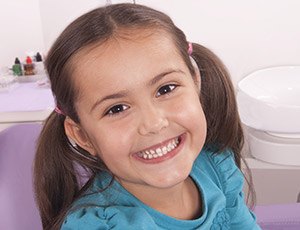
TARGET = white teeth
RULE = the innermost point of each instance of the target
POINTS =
(159, 152)
(172, 146)
(164, 150)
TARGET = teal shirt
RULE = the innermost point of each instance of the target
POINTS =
(219, 181)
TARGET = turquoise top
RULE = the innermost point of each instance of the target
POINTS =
(218, 178)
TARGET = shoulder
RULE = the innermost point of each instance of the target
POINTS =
(222, 169)
(115, 217)
(106, 209)
(85, 218)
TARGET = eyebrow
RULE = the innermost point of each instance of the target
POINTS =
(162, 75)
(124, 93)
(117, 95)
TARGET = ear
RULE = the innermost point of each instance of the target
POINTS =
(197, 77)
(77, 134)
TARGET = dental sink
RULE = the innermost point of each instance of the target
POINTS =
(269, 106)
(269, 100)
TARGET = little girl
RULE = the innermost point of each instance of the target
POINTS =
(150, 118)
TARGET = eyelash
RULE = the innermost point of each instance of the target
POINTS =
(121, 108)
(168, 87)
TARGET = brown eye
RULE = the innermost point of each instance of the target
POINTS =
(116, 109)
(166, 89)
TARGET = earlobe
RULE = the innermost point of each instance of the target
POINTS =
(77, 134)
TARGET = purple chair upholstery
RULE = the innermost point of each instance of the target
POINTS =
(279, 217)
(17, 205)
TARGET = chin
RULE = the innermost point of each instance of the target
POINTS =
(171, 180)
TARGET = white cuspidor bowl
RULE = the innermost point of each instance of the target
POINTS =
(269, 100)
(274, 149)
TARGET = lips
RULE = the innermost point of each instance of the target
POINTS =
(161, 152)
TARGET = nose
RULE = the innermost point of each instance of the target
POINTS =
(153, 119)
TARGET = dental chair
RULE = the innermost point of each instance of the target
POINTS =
(18, 209)
(278, 216)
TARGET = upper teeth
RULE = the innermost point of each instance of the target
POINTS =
(158, 152)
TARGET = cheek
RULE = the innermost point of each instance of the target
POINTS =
(190, 110)
(113, 148)
(112, 140)
(191, 116)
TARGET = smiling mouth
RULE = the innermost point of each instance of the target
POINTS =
(161, 151)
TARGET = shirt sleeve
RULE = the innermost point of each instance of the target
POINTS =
(85, 218)
(104, 218)
(231, 181)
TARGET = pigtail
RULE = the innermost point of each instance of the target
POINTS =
(217, 97)
(55, 180)
(62, 172)
(218, 100)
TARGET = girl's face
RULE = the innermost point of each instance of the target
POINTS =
(139, 110)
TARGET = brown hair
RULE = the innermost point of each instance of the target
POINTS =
(56, 177)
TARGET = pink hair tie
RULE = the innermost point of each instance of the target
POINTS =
(190, 48)
(58, 111)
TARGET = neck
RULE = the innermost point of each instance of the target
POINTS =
(182, 201)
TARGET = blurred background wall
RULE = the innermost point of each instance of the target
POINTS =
(246, 35)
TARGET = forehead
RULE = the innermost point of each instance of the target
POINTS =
(125, 42)
(123, 54)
